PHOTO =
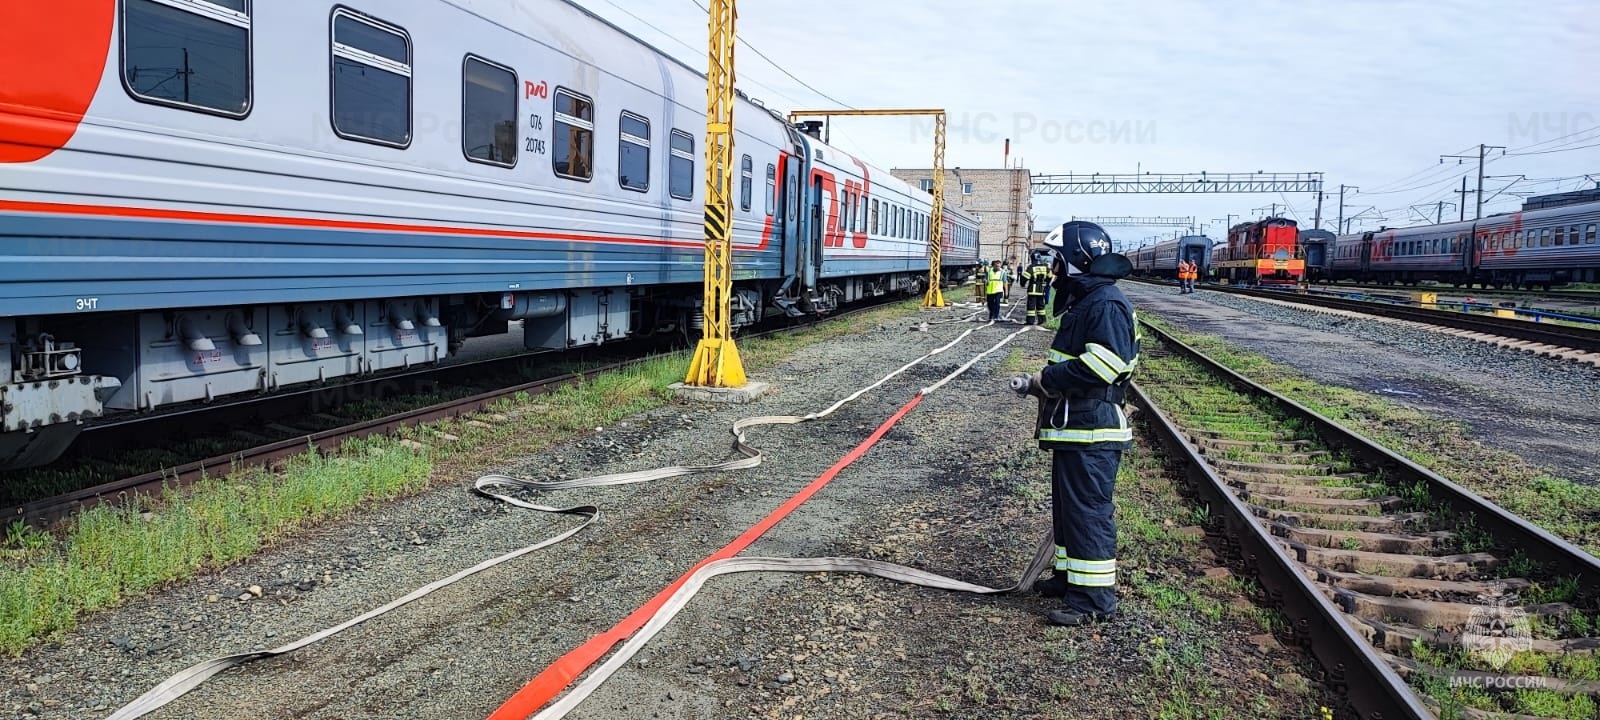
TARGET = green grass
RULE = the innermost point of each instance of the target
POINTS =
(1560, 506)
(1173, 382)
(112, 553)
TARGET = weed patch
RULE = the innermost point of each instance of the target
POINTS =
(106, 555)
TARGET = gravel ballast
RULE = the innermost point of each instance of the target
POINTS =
(1542, 410)
(940, 492)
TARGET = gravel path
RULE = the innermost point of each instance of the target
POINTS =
(939, 492)
(1541, 410)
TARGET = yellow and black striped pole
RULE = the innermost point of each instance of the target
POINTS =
(935, 296)
(716, 360)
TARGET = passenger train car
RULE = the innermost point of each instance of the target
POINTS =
(208, 198)
(1266, 252)
(1161, 259)
(1524, 249)
(1318, 248)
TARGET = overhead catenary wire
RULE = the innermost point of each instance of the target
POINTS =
(1553, 150)
(780, 68)
(1575, 133)
(699, 51)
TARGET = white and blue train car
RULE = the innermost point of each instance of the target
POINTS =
(208, 198)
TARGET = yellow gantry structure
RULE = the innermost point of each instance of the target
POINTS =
(716, 360)
(935, 296)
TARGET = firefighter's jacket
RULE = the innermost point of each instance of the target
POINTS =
(1090, 364)
(1036, 278)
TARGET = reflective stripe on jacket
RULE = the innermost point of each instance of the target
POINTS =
(1095, 350)
(1037, 278)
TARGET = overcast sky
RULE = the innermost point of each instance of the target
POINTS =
(1369, 92)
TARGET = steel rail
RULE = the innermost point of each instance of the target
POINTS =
(1562, 336)
(1576, 338)
(1525, 295)
(1355, 668)
(50, 510)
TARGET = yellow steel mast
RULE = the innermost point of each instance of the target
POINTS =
(716, 360)
(935, 295)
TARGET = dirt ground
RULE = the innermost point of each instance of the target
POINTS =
(956, 488)
(1541, 410)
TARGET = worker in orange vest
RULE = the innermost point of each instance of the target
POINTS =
(1188, 272)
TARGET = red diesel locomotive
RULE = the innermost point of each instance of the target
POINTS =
(1266, 252)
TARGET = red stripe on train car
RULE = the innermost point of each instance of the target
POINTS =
(331, 224)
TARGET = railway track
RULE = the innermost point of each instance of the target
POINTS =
(1420, 598)
(316, 401)
(1555, 336)
(1525, 295)
(1580, 343)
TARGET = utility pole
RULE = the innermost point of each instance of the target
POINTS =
(1463, 193)
(1317, 221)
(1439, 214)
(1342, 188)
(1227, 224)
(1483, 151)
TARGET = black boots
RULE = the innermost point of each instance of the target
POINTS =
(1054, 586)
(1073, 618)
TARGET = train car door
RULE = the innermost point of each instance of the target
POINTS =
(812, 255)
(786, 220)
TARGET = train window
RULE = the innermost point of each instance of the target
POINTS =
(572, 141)
(488, 112)
(747, 180)
(1590, 239)
(1561, 236)
(772, 187)
(1544, 238)
(861, 213)
(843, 209)
(680, 166)
(877, 222)
(193, 55)
(633, 153)
(371, 80)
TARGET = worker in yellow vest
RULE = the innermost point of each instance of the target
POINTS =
(995, 278)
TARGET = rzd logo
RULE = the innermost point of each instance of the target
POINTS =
(1496, 632)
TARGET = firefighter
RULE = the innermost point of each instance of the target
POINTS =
(994, 287)
(1081, 419)
(1036, 280)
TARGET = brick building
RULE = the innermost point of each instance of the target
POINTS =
(1001, 199)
